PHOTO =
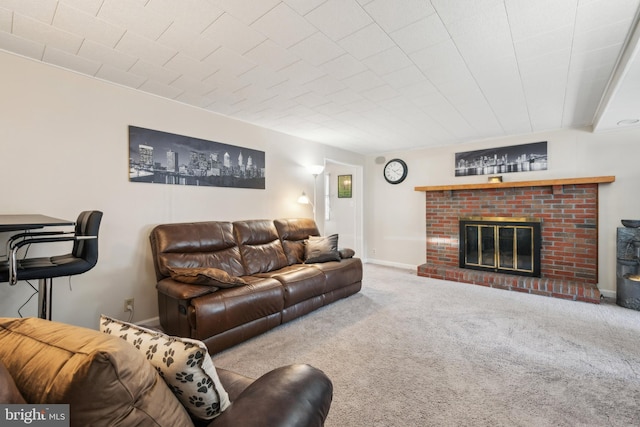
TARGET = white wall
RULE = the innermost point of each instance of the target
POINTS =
(64, 149)
(395, 221)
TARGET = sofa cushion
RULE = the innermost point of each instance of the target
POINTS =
(293, 232)
(104, 380)
(321, 249)
(260, 246)
(183, 363)
(196, 244)
(9, 393)
(206, 276)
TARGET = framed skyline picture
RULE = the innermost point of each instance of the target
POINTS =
(514, 158)
(166, 158)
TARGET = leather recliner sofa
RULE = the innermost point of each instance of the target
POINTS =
(267, 255)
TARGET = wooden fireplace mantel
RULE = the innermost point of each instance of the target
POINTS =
(538, 183)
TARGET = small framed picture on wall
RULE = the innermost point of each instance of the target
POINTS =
(344, 186)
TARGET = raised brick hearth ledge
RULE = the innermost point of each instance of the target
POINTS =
(575, 291)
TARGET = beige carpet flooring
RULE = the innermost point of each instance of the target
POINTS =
(413, 351)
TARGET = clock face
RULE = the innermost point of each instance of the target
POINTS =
(395, 171)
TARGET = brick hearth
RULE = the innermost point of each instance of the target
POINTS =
(569, 256)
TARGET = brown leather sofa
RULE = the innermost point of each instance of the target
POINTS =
(268, 255)
(107, 382)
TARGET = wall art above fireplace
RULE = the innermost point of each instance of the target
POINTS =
(514, 158)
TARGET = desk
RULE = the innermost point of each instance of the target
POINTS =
(30, 222)
(20, 222)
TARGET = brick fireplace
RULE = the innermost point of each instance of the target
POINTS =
(568, 210)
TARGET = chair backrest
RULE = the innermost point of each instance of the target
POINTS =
(88, 224)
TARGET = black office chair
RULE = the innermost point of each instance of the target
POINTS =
(83, 257)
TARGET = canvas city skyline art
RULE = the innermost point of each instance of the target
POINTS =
(166, 158)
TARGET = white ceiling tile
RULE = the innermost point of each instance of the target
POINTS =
(395, 14)
(87, 26)
(363, 81)
(339, 18)
(380, 93)
(345, 96)
(116, 75)
(246, 10)
(317, 49)
(159, 89)
(421, 34)
(183, 64)
(301, 73)
(154, 72)
(451, 11)
(233, 34)
(6, 20)
(599, 38)
(303, 6)
(296, 30)
(41, 10)
(195, 14)
(21, 46)
(182, 38)
(404, 77)
(106, 55)
(135, 17)
(325, 85)
(367, 41)
(262, 77)
(141, 47)
(387, 61)
(88, 6)
(529, 19)
(311, 99)
(487, 25)
(441, 62)
(225, 81)
(556, 40)
(232, 62)
(272, 55)
(38, 31)
(343, 66)
(192, 99)
(600, 13)
(67, 60)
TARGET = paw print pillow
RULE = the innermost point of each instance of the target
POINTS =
(183, 363)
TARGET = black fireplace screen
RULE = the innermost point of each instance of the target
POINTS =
(501, 244)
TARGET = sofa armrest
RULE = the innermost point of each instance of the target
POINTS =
(346, 253)
(294, 395)
(182, 291)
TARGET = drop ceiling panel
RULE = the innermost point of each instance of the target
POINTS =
(369, 75)
(296, 30)
(339, 18)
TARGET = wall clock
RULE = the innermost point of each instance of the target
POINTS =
(395, 171)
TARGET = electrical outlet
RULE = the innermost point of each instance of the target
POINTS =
(128, 304)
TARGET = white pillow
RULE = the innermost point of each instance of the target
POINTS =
(183, 363)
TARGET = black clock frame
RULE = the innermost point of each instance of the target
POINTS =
(404, 173)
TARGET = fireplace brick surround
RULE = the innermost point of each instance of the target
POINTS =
(569, 213)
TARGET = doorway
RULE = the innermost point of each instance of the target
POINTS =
(343, 210)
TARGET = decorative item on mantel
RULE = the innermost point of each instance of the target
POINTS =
(631, 223)
(494, 179)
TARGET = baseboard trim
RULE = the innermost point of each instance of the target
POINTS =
(391, 264)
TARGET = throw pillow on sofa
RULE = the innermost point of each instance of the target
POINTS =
(184, 364)
(321, 249)
(206, 276)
